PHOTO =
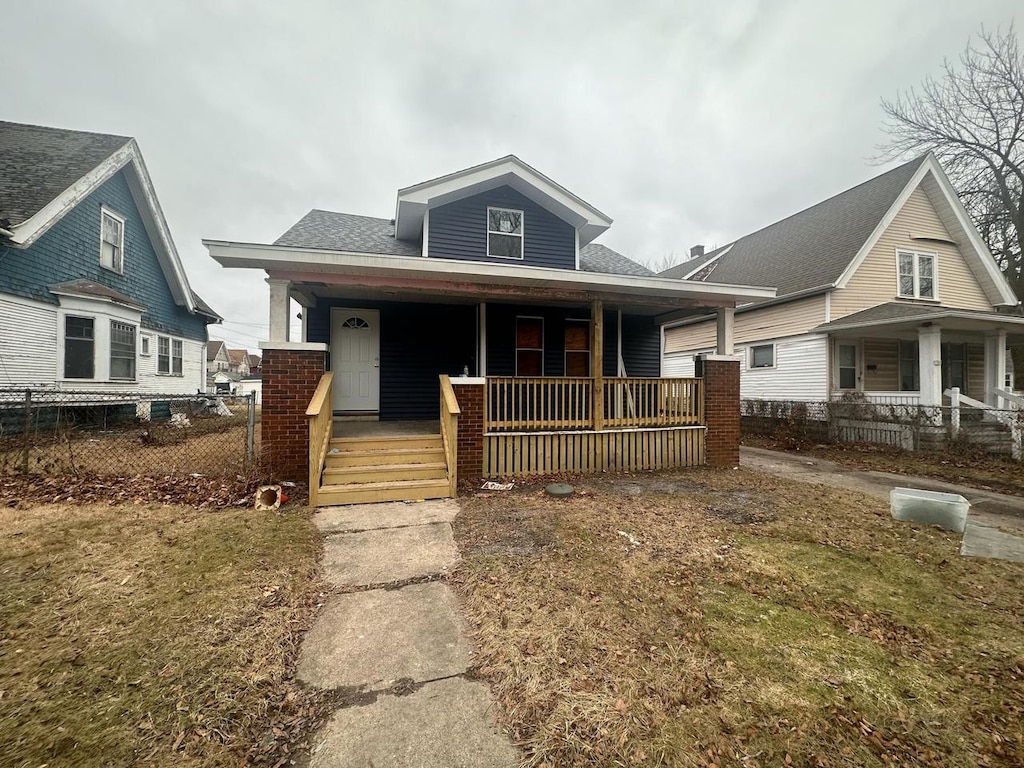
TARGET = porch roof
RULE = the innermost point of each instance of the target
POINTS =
(469, 278)
(897, 316)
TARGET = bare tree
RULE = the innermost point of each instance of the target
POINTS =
(972, 118)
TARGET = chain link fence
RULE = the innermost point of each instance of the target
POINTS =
(900, 425)
(60, 433)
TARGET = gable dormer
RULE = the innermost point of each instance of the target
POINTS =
(499, 212)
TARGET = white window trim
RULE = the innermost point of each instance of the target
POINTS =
(521, 234)
(110, 349)
(101, 312)
(529, 349)
(750, 357)
(104, 211)
(917, 275)
(145, 345)
(171, 341)
(858, 366)
(62, 347)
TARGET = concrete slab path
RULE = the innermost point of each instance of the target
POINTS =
(392, 646)
(995, 523)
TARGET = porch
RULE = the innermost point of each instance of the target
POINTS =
(498, 428)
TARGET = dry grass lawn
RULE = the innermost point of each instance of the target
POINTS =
(734, 619)
(153, 636)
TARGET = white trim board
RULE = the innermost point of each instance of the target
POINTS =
(141, 186)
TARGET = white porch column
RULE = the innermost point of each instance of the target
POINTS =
(280, 322)
(726, 318)
(995, 365)
(929, 360)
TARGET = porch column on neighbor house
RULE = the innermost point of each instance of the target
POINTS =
(726, 318)
(929, 360)
(597, 362)
(279, 309)
(995, 365)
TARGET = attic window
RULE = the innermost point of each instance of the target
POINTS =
(504, 233)
(111, 241)
(916, 275)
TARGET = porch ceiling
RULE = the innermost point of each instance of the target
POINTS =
(404, 276)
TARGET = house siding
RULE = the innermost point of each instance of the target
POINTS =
(641, 346)
(418, 342)
(874, 282)
(70, 250)
(458, 230)
(30, 354)
(779, 321)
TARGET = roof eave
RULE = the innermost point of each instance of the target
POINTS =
(283, 259)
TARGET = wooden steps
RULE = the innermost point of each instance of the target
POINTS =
(402, 468)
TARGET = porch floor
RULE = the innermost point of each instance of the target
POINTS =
(408, 428)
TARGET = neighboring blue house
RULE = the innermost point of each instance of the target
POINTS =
(93, 296)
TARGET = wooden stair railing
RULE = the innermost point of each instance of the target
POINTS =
(450, 431)
(321, 424)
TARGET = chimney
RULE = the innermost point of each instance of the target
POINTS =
(697, 251)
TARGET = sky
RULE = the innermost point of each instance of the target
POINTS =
(685, 122)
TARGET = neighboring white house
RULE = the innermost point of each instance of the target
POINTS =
(886, 290)
(93, 296)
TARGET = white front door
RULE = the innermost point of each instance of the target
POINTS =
(355, 359)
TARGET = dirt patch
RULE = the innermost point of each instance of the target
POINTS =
(521, 527)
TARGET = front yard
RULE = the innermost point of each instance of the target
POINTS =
(153, 635)
(729, 618)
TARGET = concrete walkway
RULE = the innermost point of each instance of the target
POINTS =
(392, 647)
(995, 523)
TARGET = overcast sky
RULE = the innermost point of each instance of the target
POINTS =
(686, 123)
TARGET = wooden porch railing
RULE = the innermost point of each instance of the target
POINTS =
(650, 402)
(321, 423)
(450, 431)
(524, 404)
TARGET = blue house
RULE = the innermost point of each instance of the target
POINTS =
(93, 295)
(486, 289)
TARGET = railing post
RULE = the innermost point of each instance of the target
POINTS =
(597, 363)
(954, 411)
(26, 436)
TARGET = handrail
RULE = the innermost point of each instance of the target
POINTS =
(323, 389)
(1010, 397)
(450, 412)
(321, 425)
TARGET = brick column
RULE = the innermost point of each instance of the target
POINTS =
(471, 429)
(722, 410)
(290, 377)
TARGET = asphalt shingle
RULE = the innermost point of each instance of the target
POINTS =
(38, 163)
(327, 230)
(810, 249)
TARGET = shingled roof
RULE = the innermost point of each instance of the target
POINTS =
(810, 249)
(38, 163)
(332, 231)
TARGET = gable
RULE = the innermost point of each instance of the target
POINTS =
(69, 250)
(916, 227)
(458, 230)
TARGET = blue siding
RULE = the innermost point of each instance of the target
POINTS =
(418, 342)
(70, 249)
(641, 346)
(459, 231)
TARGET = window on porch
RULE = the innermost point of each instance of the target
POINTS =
(910, 371)
(577, 347)
(529, 346)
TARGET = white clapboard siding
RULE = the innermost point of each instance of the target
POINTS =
(28, 343)
(800, 372)
(29, 356)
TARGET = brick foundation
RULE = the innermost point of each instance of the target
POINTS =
(471, 430)
(722, 411)
(289, 379)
